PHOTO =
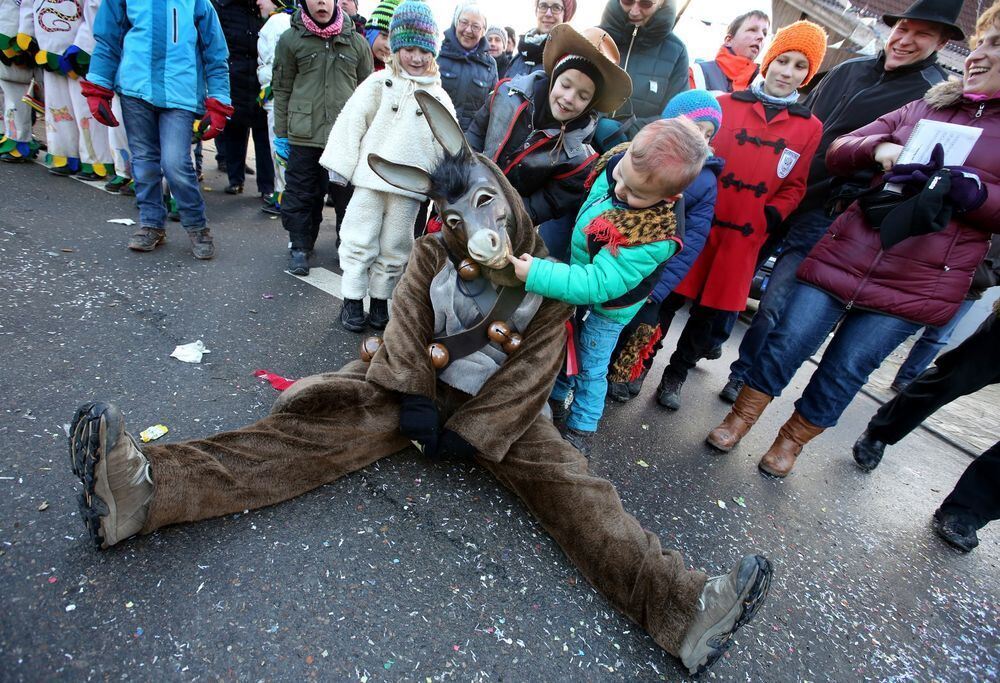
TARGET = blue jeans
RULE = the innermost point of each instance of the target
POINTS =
(927, 347)
(160, 142)
(805, 230)
(858, 347)
(557, 234)
(598, 336)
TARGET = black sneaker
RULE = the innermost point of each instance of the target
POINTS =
(62, 170)
(668, 394)
(378, 313)
(116, 184)
(955, 533)
(298, 262)
(90, 176)
(128, 189)
(233, 189)
(147, 239)
(618, 391)
(868, 452)
(202, 245)
(352, 316)
(272, 209)
(731, 390)
(581, 441)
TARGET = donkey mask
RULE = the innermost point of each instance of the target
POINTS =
(483, 216)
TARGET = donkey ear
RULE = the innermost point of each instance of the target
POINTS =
(444, 126)
(404, 177)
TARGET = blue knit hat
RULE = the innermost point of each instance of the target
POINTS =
(413, 25)
(695, 105)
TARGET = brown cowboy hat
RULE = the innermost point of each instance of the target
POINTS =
(597, 47)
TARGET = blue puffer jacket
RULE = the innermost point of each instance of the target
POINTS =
(699, 208)
(170, 53)
(467, 77)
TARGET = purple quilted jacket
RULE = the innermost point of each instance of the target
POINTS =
(925, 277)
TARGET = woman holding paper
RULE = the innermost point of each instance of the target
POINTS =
(883, 284)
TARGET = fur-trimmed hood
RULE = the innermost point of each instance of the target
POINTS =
(946, 94)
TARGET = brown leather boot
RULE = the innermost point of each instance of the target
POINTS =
(793, 435)
(744, 413)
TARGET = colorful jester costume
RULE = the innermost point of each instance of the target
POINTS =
(16, 73)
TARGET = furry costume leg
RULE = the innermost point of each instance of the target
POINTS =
(584, 515)
(61, 133)
(359, 239)
(394, 244)
(320, 429)
(95, 149)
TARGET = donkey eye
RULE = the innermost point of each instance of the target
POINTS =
(483, 198)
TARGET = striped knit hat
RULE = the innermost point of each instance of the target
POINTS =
(413, 25)
(380, 18)
(695, 105)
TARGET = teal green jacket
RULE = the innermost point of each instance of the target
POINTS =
(606, 278)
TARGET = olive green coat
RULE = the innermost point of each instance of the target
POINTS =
(313, 79)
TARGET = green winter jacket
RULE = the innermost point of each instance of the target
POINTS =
(313, 79)
(605, 280)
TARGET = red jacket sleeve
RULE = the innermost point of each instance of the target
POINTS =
(793, 188)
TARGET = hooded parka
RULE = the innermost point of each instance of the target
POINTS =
(468, 76)
(924, 278)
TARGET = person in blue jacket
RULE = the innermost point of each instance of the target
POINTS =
(169, 63)
(643, 336)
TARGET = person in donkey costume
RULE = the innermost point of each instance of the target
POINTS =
(440, 379)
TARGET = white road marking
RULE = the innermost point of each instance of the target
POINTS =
(325, 280)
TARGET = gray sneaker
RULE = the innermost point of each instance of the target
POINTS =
(201, 244)
(581, 441)
(726, 603)
(147, 239)
(117, 487)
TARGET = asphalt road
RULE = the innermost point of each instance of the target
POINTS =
(413, 569)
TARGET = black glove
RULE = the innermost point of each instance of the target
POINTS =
(774, 221)
(418, 421)
(452, 444)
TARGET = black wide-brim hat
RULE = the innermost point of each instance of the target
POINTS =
(939, 11)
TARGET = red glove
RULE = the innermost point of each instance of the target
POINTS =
(214, 120)
(99, 101)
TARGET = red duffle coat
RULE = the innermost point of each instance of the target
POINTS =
(767, 163)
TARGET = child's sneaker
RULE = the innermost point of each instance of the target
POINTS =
(581, 441)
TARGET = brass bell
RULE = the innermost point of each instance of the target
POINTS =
(498, 331)
(468, 270)
(438, 354)
(513, 343)
(368, 348)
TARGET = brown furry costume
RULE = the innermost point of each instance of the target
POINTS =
(329, 425)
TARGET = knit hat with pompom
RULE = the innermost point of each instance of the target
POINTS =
(413, 25)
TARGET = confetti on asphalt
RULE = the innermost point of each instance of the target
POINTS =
(43, 506)
(721, 503)
(70, 608)
(740, 501)
(642, 463)
(122, 221)
(153, 433)
(277, 381)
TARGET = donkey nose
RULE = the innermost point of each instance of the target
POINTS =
(485, 246)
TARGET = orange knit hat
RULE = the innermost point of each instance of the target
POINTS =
(801, 36)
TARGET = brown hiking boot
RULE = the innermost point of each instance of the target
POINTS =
(793, 435)
(744, 414)
(147, 239)
(201, 244)
(115, 474)
(726, 604)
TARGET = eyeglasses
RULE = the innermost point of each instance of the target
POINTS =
(643, 4)
(544, 8)
(465, 23)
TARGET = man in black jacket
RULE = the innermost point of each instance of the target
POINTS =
(852, 95)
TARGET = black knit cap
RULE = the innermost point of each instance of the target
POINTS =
(583, 65)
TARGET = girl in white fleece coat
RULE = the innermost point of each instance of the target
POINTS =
(383, 117)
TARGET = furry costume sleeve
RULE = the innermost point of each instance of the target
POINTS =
(513, 397)
(401, 363)
(343, 147)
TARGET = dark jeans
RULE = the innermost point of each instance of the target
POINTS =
(805, 230)
(860, 344)
(234, 149)
(923, 351)
(696, 337)
(305, 194)
(970, 366)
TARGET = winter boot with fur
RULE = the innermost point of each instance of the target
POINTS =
(726, 603)
(744, 414)
(378, 313)
(117, 487)
(793, 435)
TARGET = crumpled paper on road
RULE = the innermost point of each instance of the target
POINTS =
(190, 353)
